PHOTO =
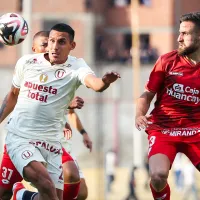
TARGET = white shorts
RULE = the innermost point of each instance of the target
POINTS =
(22, 151)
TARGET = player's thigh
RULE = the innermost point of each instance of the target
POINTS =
(83, 191)
(70, 170)
(36, 172)
(81, 175)
(161, 154)
(192, 151)
(59, 194)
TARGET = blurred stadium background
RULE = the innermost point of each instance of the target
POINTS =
(122, 35)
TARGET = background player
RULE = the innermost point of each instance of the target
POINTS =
(60, 44)
(174, 124)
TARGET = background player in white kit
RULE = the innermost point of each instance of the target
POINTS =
(44, 83)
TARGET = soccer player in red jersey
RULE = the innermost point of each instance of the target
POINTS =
(174, 124)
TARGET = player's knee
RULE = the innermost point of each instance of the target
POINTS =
(83, 192)
(45, 185)
(70, 172)
(6, 195)
(159, 176)
(39, 178)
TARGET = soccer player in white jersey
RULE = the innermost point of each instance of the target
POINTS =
(43, 86)
(40, 43)
(8, 172)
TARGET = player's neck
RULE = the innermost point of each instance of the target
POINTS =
(193, 58)
(46, 56)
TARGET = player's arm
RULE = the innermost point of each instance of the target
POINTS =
(100, 84)
(142, 107)
(77, 102)
(76, 122)
(154, 84)
(9, 103)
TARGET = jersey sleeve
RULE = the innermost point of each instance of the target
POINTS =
(83, 71)
(18, 73)
(156, 78)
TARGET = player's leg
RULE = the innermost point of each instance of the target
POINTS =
(30, 162)
(36, 173)
(83, 191)
(191, 149)
(71, 177)
(161, 155)
(8, 176)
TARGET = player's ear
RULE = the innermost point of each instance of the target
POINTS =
(73, 45)
(33, 49)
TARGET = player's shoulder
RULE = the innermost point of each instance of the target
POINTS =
(29, 58)
(76, 62)
(170, 56)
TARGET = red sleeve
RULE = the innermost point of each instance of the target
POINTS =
(156, 78)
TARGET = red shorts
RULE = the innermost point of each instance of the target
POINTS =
(171, 145)
(66, 156)
(9, 174)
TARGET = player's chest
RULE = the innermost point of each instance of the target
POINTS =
(45, 74)
(184, 80)
(182, 74)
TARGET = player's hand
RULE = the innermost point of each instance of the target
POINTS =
(142, 122)
(77, 102)
(87, 142)
(110, 77)
(67, 131)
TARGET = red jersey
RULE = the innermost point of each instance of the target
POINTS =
(175, 80)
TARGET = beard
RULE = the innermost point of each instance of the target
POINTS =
(188, 50)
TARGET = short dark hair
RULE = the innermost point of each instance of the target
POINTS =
(64, 28)
(193, 17)
(41, 34)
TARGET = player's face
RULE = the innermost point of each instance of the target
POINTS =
(59, 46)
(188, 39)
(40, 44)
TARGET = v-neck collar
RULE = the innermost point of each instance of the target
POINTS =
(190, 62)
(56, 65)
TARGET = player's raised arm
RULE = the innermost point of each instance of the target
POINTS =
(9, 103)
(100, 84)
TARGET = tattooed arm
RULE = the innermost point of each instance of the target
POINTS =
(9, 103)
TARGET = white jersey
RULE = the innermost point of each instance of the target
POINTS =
(45, 92)
(66, 143)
